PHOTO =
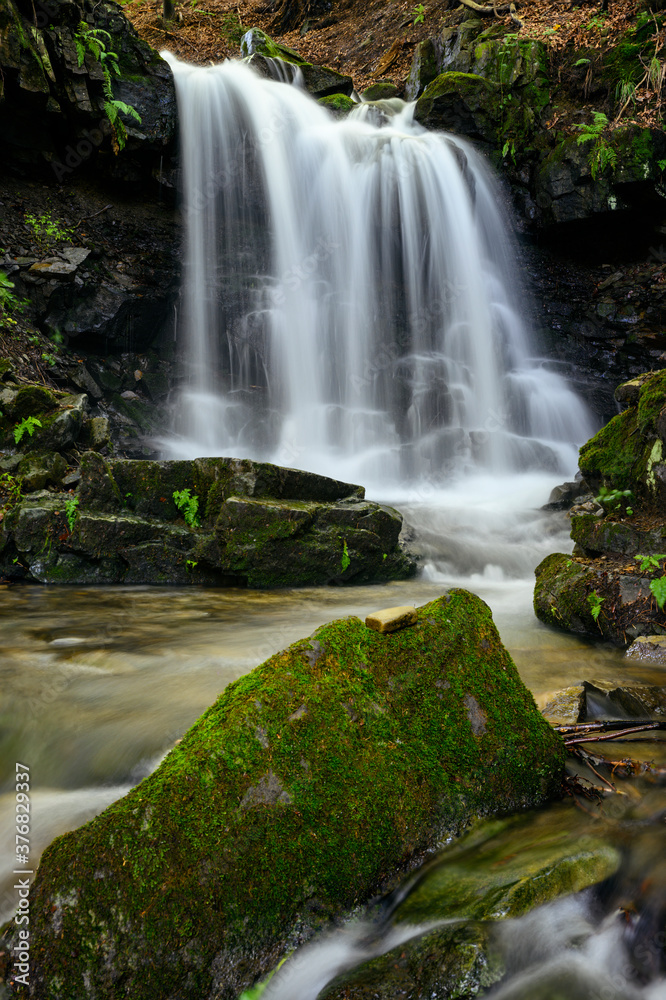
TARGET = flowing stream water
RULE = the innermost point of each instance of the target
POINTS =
(350, 307)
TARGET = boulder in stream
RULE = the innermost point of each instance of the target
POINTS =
(313, 783)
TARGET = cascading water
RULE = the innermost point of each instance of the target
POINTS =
(349, 297)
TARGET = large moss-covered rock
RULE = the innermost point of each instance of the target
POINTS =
(297, 795)
(629, 452)
(237, 522)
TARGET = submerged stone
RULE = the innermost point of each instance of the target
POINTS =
(304, 790)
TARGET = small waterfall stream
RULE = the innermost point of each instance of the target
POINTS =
(349, 295)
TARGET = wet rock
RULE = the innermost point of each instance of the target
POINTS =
(462, 103)
(355, 800)
(651, 648)
(563, 497)
(424, 69)
(617, 701)
(596, 535)
(500, 871)
(563, 708)
(595, 598)
(38, 469)
(252, 523)
(64, 102)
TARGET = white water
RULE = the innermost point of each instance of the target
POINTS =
(378, 335)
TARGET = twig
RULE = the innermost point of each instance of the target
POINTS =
(604, 725)
(593, 738)
(86, 217)
(504, 8)
(587, 760)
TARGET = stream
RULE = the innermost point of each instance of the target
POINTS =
(99, 683)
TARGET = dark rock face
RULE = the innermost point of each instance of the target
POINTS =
(43, 84)
(250, 524)
(310, 785)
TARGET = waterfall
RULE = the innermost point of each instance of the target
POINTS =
(350, 305)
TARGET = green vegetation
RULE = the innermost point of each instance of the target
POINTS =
(9, 302)
(595, 603)
(418, 14)
(612, 500)
(27, 426)
(96, 42)
(649, 562)
(46, 230)
(658, 588)
(188, 503)
(601, 155)
(345, 561)
(71, 512)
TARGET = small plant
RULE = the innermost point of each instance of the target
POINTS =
(345, 560)
(190, 564)
(582, 62)
(418, 14)
(595, 603)
(71, 512)
(658, 588)
(10, 486)
(27, 426)
(9, 302)
(46, 230)
(49, 358)
(96, 41)
(649, 562)
(602, 154)
(188, 503)
(613, 499)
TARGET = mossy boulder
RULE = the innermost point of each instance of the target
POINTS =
(259, 49)
(381, 90)
(597, 598)
(338, 104)
(629, 452)
(300, 793)
(38, 469)
(463, 103)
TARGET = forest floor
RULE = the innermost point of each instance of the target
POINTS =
(376, 39)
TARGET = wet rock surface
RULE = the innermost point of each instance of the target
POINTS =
(210, 521)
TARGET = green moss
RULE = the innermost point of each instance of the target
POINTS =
(338, 102)
(616, 454)
(651, 401)
(290, 801)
